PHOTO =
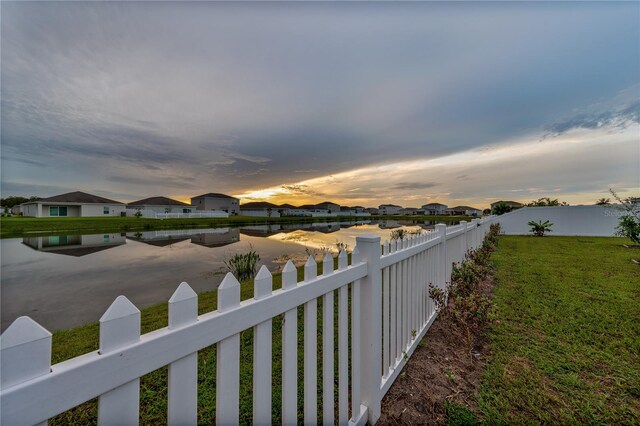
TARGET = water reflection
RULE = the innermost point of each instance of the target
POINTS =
(77, 287)
(75, 245)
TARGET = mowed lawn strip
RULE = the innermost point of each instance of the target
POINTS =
(566, 340)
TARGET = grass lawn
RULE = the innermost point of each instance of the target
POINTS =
(16, 226)
(566, 349)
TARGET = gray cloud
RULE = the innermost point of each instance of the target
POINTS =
(414, 185)
(241, 96)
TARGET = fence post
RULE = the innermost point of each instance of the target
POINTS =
(463, 240)
(25, 350)
(182, 406)
(119, 327)
(441, 228)
(371, 323)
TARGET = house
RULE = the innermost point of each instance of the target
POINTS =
(215, 201)
(73, 204)
(389, 209)
(291, 210)
(463, 211)
(328, 205)
(434, 209)
(372, 210)
(408, 211)
(513, 204)
(259, 208)
(150, 206)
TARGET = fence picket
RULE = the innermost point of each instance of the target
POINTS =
(327, 348)
(355, 342)
(119, 327)
(25, 351)
(182, 405)
(262, 353)
(343, 348)
(290, 352)
(310, 349)
(228, 358)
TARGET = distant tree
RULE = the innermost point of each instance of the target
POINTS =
(14, 200)
(501, 208)
(603, 202)
(546, 201)
(486, 211)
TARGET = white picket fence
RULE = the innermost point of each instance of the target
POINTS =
(388, 314)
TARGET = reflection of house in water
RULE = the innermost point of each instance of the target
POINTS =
(389, 224)
(263, 230)
(216, 237)
(75, 245)
(159, 238)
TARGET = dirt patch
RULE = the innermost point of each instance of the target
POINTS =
(445, 368)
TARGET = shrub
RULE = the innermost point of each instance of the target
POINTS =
(629, 224)
(243, 265)
(138, 214)
(399, 234)
(501, 208)
(539, 228)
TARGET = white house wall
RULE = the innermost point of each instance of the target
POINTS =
(97, 210)
(595, 221)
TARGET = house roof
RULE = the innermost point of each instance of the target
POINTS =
(390, 205)
(79, 197)
(158, 201)
(258, 205)
(505, 202)
(287, 206)
(434, 204)
(214, 195)
(327, 202)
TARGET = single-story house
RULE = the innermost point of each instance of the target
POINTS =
(215, 201)
(73, 204)
(259, 208)
(513, 204)
(434, 208)
(389, 209)
(150, 206)
(463, 211)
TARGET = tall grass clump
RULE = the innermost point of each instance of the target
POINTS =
(243, 265)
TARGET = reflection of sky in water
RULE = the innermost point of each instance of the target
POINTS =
(63, 282)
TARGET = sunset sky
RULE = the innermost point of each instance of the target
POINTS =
(357, 103)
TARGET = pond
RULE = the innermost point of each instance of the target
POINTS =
(65, 281)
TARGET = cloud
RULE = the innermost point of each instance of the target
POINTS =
(414, 185)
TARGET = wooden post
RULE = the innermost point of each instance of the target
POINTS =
(371, 323)
(119, 327)
(183, 374)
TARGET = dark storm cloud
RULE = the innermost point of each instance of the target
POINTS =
(232, 96)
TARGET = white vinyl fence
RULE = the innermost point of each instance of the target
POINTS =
(383, 306)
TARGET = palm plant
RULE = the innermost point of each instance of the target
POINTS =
(539, 228)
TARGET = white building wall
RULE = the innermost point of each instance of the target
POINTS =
(229, 205)
(260, 213)
(594, 221)
(97, 210)
(150, 210)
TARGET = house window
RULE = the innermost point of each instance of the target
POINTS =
(105, 238)
(105, 210)
(167, 210)
(57, 211)
(186, 210)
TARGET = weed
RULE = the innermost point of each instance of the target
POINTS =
(243, 265)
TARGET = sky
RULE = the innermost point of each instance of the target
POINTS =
(357, 103)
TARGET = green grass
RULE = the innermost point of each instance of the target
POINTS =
(566, 349)
(16, 226)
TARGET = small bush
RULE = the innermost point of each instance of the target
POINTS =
(138, 214)
(243, 265)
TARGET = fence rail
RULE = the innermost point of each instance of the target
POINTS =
(383, 306)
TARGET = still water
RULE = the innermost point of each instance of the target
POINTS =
(68, 280)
